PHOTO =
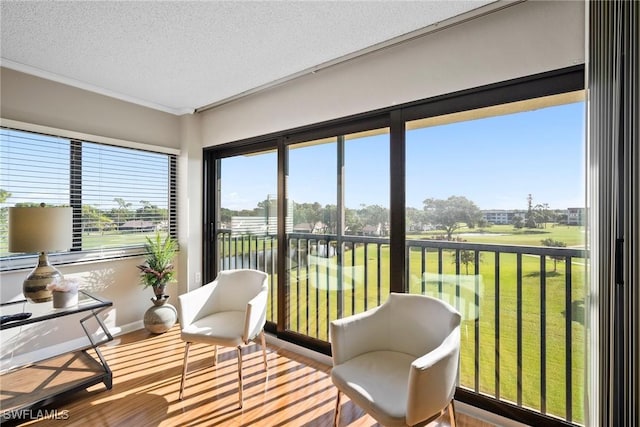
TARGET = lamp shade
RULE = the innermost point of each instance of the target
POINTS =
(40, 229)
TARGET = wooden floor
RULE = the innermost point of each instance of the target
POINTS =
(146, 380)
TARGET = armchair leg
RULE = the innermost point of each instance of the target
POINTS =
(264, 349)
(452, 414)
(336, 413)
(184, 368)
(215, 355)
(240, 375)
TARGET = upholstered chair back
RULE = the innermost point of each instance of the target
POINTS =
(236, 287)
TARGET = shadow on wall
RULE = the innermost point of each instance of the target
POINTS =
(96, 281)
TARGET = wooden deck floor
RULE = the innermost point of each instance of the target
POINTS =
(146, 379)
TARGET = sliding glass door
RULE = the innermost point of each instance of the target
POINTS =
(338, 197)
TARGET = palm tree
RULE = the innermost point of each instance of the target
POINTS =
(123, 207)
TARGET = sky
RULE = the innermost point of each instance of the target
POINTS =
(107, 172)
(496, 162)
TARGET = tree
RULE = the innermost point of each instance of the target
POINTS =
(529, 217)
(483, 223)
(374, 214)
(415, 219)
(517, 221)
(543, 214)
(330, 218)
(449, 214)
(556, 244)
(4, 195)
(94, 220)
(466, 257)
(150, 212)
(122, 212)
(352, 222)
(307, 213)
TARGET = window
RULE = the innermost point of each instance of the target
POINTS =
(119, 195)
(372, 207)
(247, 220)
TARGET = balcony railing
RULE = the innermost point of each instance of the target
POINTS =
(523, 325)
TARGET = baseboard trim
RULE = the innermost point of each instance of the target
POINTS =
(294, 348)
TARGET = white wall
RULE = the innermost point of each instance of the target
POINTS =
(521, 40)
(43, 102)
(190, 210)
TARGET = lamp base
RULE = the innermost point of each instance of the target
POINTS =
(34, 287)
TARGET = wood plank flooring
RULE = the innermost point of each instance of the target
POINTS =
(146, 380)
(40, 381)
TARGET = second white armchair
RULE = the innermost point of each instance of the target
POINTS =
(398, 361)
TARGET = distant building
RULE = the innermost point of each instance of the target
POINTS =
(575, 216)
(138, 225)
(501, 216)
(257, 225)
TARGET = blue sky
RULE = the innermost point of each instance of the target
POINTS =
(495, 162)
(107, 172)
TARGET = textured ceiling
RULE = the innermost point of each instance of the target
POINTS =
(177, 56)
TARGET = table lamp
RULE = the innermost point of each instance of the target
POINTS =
(40, 229)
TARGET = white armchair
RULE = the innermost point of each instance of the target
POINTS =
(230, 311)
(398, 361)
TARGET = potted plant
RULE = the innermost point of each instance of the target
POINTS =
(158, 268)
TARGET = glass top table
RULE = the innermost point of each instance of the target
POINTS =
(41, 383)
(44, 310)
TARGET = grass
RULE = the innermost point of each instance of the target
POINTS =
(110, 239)
(506, 235)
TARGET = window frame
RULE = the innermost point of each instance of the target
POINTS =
(76, 254)
(553, 82)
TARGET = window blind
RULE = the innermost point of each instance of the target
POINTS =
(614, 119)
(119, 195)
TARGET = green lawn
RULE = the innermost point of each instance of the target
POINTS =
(110, 239)
(505, 234)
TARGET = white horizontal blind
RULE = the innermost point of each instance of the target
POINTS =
(119, 195)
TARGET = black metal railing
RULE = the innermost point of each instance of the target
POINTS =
(528, 319)
(523, 316)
